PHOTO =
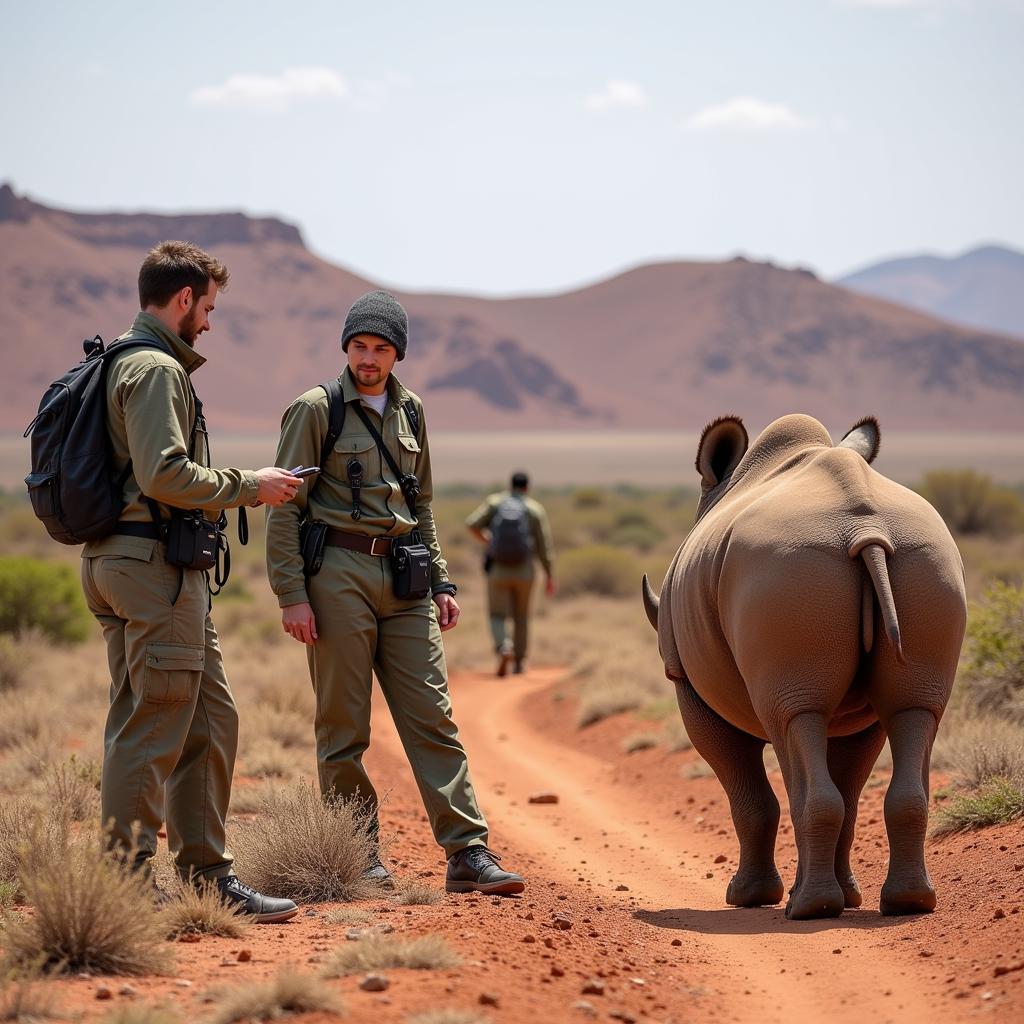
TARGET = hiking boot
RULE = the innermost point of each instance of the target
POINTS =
(475, 869)
(379, 874)
(519, 668)
(505, 656)
(259, 908)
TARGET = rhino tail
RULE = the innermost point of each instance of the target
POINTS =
(874, 555)
(650, 603)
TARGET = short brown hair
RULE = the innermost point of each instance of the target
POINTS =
(171, 266)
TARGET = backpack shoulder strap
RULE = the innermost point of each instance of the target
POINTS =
(414, 417)
(335, 417)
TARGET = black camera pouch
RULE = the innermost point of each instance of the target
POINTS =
(312, 535)
(192, 541)
(410, 567)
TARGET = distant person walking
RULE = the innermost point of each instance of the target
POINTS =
(172, 727)
(360, 578)
(515, 529)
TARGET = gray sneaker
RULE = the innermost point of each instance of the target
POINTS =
(506, 655)
(259, 908)
(379, 874)
(475, 869)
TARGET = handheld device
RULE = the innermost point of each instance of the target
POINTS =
(304, 470)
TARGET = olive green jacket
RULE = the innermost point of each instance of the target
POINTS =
(328, 497)
(150, 412)
(540, 531)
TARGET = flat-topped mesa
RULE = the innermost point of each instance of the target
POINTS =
(142, 230)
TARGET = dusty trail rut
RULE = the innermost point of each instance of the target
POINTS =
(601, 836)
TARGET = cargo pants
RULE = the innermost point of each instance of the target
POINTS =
(363, 628)
(508, 597)
(172, 728)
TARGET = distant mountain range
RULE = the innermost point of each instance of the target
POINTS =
(981, 288)
(662, 347)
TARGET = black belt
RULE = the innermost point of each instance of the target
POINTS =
(148, 530)
(377, 546)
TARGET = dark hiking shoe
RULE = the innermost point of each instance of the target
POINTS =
(505, 656)
(379, 874)
(475, 869)
(519, 668)
(254, 905)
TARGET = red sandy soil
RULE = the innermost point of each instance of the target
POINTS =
(632, 858)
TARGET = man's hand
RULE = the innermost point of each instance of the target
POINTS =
(276, 486)
(299, 622)
(549, 587)
(447, 611)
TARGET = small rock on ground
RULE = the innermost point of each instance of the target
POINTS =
(375, 983)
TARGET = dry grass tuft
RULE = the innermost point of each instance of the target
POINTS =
(998, 802)
(699, 769)
(142, 1013)
(347, 915)
(73, 789)
(305, 848)
(417, 894)
(27, 833)
(676, 737)
(449, 1016)
(380, 952)
(640, 741)
(267, 759)
(977, 749)
(199, 910)
(26, 997)
(282, 996)
(90, 912)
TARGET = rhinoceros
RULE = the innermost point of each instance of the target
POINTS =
(818, 606)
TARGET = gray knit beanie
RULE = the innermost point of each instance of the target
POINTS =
(381, 314)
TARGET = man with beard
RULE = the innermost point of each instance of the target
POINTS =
(172, 728)
(373, 495)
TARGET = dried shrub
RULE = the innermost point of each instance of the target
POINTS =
(413, 893)
(992, 674)
(306, 848)
(73, 788)
(601, 699)
(380, 952)
(971, 503)
(347, 915)
(26, 997)
(698, 769)
(640, 741)
(449, 1016)
(976, 749)
(27, 833)
(44, 596)
(287, 993)
(199, 910)
(90, 912)
(267, 759)
(998, 802)
(598, 569)
(142, 1013)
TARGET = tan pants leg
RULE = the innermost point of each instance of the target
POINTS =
(171, 718)
(508, 597)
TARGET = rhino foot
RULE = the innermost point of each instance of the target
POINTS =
(749, 890)
(821, 901)
(904, 899)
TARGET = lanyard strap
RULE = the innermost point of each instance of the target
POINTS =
(409, 484)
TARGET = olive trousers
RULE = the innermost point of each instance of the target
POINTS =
(508, 597)
(364, 629)
(172, 728)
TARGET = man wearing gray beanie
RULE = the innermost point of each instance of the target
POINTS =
(373, 593)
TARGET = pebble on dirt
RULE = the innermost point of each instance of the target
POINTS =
(375, 983)
(488, 999)
(622, 888)
(593, 987)
(585, 1008)
(545, 797)
(103, 992)
(244, 956)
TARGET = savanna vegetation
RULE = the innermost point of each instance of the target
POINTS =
(53, 694)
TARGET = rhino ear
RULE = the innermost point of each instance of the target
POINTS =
(722, 445)
(864, 438)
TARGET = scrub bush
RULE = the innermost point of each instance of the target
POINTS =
(43, 596)
(992, 672)
(971, 503)
(599, 569)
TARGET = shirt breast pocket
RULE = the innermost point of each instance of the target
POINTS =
(408, 452)
(351, 449)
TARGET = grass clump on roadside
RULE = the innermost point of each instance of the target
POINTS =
(25, 996)
(73, 788)
(28, 834)
(380, 952)
(598, 569)
(142, 1013)
(305, 848)
(200, 910)
(977, 748)
(412, 894)
(90, 912)
(448, 1016)
(347, 915)
(638, 741)
(998, 802)
(287, 993)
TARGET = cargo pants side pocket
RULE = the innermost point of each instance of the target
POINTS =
(173, 672)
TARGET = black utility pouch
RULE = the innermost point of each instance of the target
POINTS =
(192, 541)
(312, 535)
(410, 567)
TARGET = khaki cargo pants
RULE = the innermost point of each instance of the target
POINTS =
(508, 597)
(363, 628)
(172, 728)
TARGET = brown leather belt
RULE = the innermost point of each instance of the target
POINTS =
(380, 547)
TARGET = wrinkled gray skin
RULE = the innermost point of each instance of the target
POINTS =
(821, 607)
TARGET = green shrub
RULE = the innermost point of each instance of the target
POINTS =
(44, 596)
(993, 667)
(998, 802)
(599, 569)
(970, 502)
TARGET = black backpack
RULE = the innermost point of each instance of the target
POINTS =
(511, 541)
(73, 488)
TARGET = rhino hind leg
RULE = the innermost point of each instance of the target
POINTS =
(738, 761)
(818, 810)
(907, 888)
(850, 760)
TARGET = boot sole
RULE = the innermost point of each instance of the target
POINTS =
(488, 888)
(273, 918)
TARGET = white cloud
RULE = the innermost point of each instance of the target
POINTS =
(618, 94)
(747, 114)
(273, 92)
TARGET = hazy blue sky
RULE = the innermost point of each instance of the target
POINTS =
(528, 146)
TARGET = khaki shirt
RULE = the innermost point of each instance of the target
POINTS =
(328, 497)
(540, 531)
(150, 412)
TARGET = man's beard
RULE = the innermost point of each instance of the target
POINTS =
(188, 329)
